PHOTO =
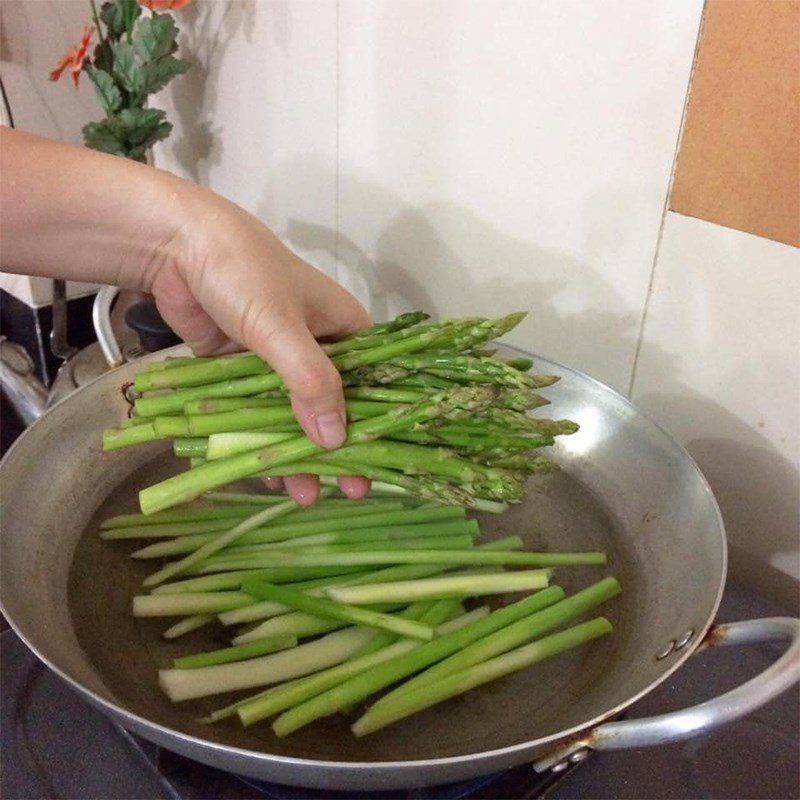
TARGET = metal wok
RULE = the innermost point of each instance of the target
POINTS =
(626, 487)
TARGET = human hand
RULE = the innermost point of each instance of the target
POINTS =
(220, 278)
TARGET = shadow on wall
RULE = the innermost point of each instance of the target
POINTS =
(756, 487)
(464, 263)
(206, 33)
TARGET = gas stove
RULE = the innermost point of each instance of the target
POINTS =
(56, 746)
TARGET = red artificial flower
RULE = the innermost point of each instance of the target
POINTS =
(75, 57)
(164, 5)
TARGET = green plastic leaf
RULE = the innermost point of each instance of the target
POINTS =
(154, 37)
(106, 90)
(157, 74)
(139, 125)
(103, 57)
(119, 16)
(100, 136)
(126, 68)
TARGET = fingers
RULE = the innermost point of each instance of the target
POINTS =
(304, 489)
(354, 486)
(314, 385)
(273, 484)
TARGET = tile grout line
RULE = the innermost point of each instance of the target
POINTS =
(665, 209)
(336, 154)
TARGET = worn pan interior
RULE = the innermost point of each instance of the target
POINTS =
(626, 488)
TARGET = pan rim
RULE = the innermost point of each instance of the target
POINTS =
(509, 751)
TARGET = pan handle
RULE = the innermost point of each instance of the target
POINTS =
(704, 717)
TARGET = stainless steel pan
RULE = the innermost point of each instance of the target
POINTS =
(626, 487)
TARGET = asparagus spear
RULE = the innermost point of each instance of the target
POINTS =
(341, 611)
(516, 634)
(440, 588)
(378, 717)
(186, 684)
(365, 684)
(297, 691)
(190, 485)
(240, 652)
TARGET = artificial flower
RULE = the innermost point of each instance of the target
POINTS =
(164, 5)
(75, 57)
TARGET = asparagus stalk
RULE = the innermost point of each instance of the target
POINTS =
(182, 515)
(241, 652)
(190, 485)
(187, 684)
(388, 575)
(378, 717)
(363, 685)
(190, 447)
(219, 542)
(256, 384)
(234, 579)
(195, 603)
(443, 614)
(290, 694)
(286, 558)
(440, 588)
(187, 625)
(515, 634)
(222, 445)
(298, 623)
(316, 519)
(328, 608)
(385, 534)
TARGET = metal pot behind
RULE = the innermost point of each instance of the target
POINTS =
(626, 487)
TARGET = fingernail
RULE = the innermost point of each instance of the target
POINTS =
(330, 429)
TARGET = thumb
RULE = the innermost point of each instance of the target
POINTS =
(312, 381)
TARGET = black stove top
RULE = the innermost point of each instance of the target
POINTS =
(55, 746)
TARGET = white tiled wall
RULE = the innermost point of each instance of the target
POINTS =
(515, 153)
(720, 367)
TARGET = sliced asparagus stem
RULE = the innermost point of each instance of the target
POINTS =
(290, 694)
(285, 558)
(516, 634)
(328, 608)
(315, 519)
(187, 684)
(182, 515)
(447, 528)
(241, 652)
(187, 625)
(179, 605)
(408, 703)
(440, 588)
(298, 623)
(234, 579)
(363, 685)
(219, 542)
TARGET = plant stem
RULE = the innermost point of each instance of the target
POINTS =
(240, 652)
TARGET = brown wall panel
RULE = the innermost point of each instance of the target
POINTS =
(739, 156)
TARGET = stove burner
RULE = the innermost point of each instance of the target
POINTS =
(452, 791)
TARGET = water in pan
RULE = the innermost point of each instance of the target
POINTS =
(559, 514)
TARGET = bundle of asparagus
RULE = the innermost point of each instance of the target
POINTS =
(341, 600)
(344, 599)
(429, 409)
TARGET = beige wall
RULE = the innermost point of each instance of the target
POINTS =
(471, 156)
